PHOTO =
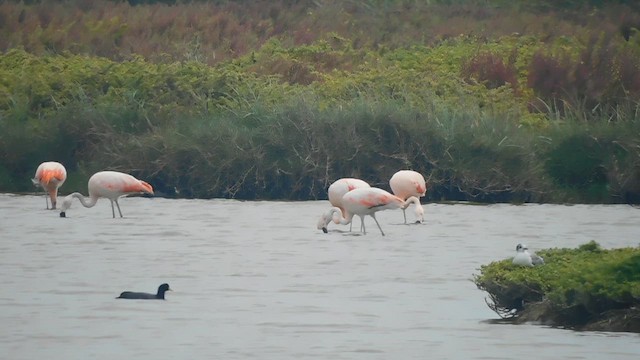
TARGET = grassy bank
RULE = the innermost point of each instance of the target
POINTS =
(588, 288)
(485, 116)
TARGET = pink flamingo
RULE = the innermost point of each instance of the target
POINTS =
(406, 184)
(50, 175)
(336, 191)
(366, 201)
(108, 184)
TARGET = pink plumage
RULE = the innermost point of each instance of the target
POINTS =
(50, 175)
(335, 192)
(409, 185)
(108, 184)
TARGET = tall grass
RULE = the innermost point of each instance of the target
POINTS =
(294, 150)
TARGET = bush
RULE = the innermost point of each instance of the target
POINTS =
(575, 287)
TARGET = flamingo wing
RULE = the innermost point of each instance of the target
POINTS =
(113, 184)
(406, 183)
(368, 200)
(51, 173)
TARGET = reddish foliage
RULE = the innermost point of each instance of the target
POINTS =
(548, 75)
(604, 75)
(227, 29)
(628, 71)
(490, 70)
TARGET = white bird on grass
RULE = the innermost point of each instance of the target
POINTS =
(525, 258)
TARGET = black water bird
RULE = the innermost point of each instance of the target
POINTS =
(146, 296)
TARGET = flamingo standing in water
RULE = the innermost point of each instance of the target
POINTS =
(366, 201)
(336, 191)
(406, 184)
(50, 175)
(108, 184)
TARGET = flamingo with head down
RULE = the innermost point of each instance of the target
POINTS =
(107, 184)
(367, 201)
(336, 191)
(50, 175)
(406, 184)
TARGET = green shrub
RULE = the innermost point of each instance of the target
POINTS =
(575, 286)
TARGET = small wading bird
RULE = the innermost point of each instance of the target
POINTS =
(366, 201)
(146, 296)
(525, 258)
(336, 191)
(107, 184)
(50, 175)
(407, 183)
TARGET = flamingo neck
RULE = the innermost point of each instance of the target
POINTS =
(411, 199)
(83, 200)
(418, 207)
(340, 218)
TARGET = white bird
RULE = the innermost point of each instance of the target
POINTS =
(50, 175)
(336, 191)
(406, 184)
(366, 201)
(525, 258)
(107, 184)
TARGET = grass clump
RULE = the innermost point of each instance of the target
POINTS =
(587, 288)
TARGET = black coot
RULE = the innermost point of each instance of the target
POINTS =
(146, 296)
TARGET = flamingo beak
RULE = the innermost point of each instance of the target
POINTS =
(63, 214)
(324, 229)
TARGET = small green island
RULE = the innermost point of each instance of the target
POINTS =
(588, 288)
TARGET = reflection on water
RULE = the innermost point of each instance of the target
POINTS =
(257, 280)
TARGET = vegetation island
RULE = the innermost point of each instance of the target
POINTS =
(587, 288)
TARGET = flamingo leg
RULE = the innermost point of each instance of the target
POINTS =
(118, 205)
(362, 228)
(53, 195)
(46, 196)
(404, 212)
(351, 224)
(113, 212)
(376, 220)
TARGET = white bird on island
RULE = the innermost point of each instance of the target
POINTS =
(525, 258)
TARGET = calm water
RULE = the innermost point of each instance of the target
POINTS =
(256, 280)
